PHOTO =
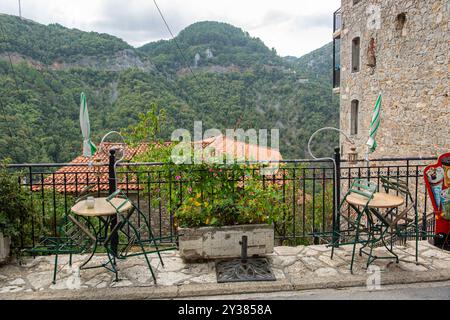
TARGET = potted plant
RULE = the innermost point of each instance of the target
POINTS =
(14, 205)
(212, 219)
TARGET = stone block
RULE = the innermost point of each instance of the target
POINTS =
(224, 242)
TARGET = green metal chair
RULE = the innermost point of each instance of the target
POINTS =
(392, 224)
(356, 228)
(134, 231)
(74, 237)
(401, 225)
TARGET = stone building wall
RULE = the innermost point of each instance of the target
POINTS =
(412, 72)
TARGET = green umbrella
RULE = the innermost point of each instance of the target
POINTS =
(374, 126)
(89, 147)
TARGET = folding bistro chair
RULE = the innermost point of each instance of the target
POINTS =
(401, 225)
(356, 228)
(74, 237)
(134, 231)
(393, 224)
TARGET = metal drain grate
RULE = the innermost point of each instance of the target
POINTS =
(244, 269)
(240, 270)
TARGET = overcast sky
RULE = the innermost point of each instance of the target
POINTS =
(292, 27)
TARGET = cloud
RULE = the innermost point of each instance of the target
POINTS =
(137, 21)
(275, 17)
(321, 20)
(293, 27)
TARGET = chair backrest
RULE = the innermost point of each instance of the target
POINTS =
(397, 185)
(363, 187)
(76, 235)
(119, 194)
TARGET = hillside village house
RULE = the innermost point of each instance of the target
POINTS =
(398, 48)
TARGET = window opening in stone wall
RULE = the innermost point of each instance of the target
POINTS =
(400, 21)
(356, 44)
(354, 117)
(336, 62)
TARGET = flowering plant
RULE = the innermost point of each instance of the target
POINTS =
(231, 202)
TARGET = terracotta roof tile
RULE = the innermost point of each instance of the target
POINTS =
(73, 179)
(222, 145)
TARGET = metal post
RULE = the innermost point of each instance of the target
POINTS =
(112, 189)
(316, 239)
(337, 195)
(424, 225)
(244, 244)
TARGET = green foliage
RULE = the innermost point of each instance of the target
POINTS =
(55, 43)
(14, 203)
(229, 46)
(148, 127)
(216, 199)
(245, 83)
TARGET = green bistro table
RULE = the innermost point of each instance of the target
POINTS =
(377, 210)
(104, 209)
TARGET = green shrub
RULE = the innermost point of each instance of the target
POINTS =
(15, 203)
(231, 202)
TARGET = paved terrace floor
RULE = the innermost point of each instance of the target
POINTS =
(296, 268)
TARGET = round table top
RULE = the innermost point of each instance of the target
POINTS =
(380, 200)
(102, 208)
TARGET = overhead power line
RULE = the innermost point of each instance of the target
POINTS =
(186, 60)
(175, 40)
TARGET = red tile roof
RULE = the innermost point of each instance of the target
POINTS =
(73, 179)
(222, 146)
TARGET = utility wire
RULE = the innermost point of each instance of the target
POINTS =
(175, 40)
(240, 118)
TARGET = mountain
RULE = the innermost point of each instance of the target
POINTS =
(57, 47)
(217, 44)
(212, 72)
(318, 62)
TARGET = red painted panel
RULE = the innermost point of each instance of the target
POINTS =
(437, 180)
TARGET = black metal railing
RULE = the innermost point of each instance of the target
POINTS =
(307, 190)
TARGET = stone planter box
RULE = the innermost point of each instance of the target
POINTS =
(207, 243)
(5, 245)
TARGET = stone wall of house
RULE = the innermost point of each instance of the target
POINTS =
(412, 72)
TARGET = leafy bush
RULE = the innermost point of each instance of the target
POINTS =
(221, 201)
(15, 203)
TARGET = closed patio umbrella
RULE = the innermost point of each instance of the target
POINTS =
(89, 147)
(374, 126)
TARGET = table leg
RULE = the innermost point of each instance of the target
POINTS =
(98, 234)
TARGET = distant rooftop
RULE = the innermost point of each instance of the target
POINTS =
(76, 178)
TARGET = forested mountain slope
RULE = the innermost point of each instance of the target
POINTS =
(222, 77)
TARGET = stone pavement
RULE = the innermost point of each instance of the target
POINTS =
(296, 268)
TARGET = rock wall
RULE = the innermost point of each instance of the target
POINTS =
(411, 52)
